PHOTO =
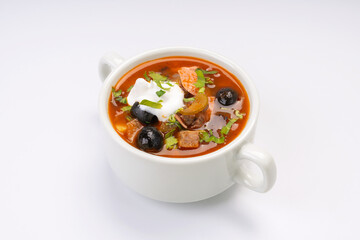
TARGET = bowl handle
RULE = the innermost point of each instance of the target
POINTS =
(247, 174)
(108, 63)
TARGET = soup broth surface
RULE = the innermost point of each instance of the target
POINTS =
(223, 122)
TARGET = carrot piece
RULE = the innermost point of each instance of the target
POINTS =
(188, 77)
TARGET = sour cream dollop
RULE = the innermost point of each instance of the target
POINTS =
(172, 100)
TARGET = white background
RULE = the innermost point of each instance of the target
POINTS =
(304, 58)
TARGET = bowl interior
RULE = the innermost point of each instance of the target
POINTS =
(127, 65)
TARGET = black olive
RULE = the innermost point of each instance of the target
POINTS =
(150, 139)
(143, 116)
(227, 96)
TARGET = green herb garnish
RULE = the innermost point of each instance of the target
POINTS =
(160, 93)
(239, 115)
(208, 72)
(200, 83)
(159, 79)
(157, 76)
(170, 133)
(180, 109)
(151, 104)
(208, 81)
(116, 93)
(121, 99)
(225, 129)
(189, 99)
(147, 77)
(172, 120)
(128, 118)
(170, 142)
(209, 137)
(126, 108)
(201, 90)
(158, 83)
(129, 89)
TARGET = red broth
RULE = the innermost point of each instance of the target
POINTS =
(220, 114)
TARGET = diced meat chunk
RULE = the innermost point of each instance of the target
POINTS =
(188, 119)
(166, 127)
(193, 121)
(133, 127)
(188, 77)
(181, 121)
(188, 139)
(199, 121)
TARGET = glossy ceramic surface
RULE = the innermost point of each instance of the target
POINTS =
(185, 179)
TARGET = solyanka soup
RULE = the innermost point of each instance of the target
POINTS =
(178, 107)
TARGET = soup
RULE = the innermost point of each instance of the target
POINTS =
(178, 107)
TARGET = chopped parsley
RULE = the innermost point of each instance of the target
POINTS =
(158, 83)
(117, 96)
(151, 104)
(129, 89)
(170, 133)
(157, 77)
(180, 109)
(208, 72)
(128, 118)
(209, 137)
(239, 115)
(147, 77)
(225, 129)
(116, 93)
(126, 108)
(121, 99)
(172, 120)
(200, 83)
(189, 99)
(160, 93)
(208, 81)
(170, 142)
